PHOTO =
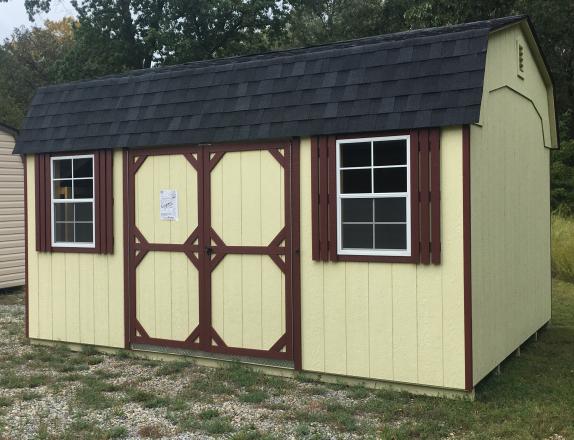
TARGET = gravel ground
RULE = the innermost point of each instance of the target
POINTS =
(56, 393)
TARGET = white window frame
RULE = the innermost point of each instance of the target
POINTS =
(53, 201)
(374, 252)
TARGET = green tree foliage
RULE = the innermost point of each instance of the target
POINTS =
(29, 59)
(112, 36)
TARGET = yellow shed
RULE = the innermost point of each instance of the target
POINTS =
(12, 265)
(374, 210)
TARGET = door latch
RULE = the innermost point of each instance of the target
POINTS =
(209, 250)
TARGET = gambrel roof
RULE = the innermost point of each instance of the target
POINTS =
(423, 78)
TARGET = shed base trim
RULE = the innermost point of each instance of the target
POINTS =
(272, 370)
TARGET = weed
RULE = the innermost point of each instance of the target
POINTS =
(151, 431)
(256, 396)
(208, 414)
(172, 368)
(218, 425)
(117, 432)
(147, 399)
(5, 402)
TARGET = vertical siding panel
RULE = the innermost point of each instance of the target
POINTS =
(217, 276)
(101, 300)
(357, 293)
(231, 266)
(405, 323)
(452, 257)
(33, 264)
(272, 300)
(72, 269)
(116, 260)
(145, 291)
(86, 297)
(429, 325)
(232, 288)
(182, 293)
(162, 267)
(59, 295)
(335, 332)
(381, 321)
(312, 316)
(45, 296)
(251, 213)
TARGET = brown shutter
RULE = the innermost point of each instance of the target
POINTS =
(43, 209)
(434, 140)
(104, 202)
(425, 200)
(103, 216)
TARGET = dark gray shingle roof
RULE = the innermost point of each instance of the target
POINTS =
(424, 78)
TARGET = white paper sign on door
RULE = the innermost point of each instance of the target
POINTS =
(168, 204)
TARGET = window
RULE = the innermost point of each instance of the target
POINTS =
(373, 196)
(73, 201)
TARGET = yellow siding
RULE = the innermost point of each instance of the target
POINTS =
(167, 283)
(510, 205)
(247, 209)
(399, 322)
(11, 214)
(77, 297)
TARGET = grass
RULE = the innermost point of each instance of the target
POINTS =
(563, 247)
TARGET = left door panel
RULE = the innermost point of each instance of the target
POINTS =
(165, 263)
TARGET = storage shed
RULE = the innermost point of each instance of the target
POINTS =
(11, 211)
(374, 210)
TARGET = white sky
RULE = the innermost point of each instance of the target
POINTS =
(13, 14)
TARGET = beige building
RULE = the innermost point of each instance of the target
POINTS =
(374, 210)
(12, 264)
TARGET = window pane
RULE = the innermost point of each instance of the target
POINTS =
(357, 154)
(390, 180)
(355, 181)
(84, 212)
(83, 167)
(62, 189)
(390, 152)
(393, 209)
(83, 189)
(62, 168)
(84, 232)
(391, 237)
(64, 232)
(64, 212)
(357, 210)
(357, 236)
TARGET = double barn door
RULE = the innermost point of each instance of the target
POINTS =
(219, 277)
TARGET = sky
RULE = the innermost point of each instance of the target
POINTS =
(13, 14)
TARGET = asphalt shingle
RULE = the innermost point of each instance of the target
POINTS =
(424, 78)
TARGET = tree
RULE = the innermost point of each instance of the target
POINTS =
(29, 59)
(118, 35)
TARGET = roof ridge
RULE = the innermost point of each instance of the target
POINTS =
(490, 24)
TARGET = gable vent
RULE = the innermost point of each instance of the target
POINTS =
(520, 60)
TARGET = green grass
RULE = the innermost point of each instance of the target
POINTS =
(563, 247)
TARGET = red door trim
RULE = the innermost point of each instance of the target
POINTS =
(204, 337)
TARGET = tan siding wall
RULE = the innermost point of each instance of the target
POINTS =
(77, 297)
(399, 322)
(11, 214)
(510, 204)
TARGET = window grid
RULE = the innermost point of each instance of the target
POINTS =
(373, 195)
(72, 200)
